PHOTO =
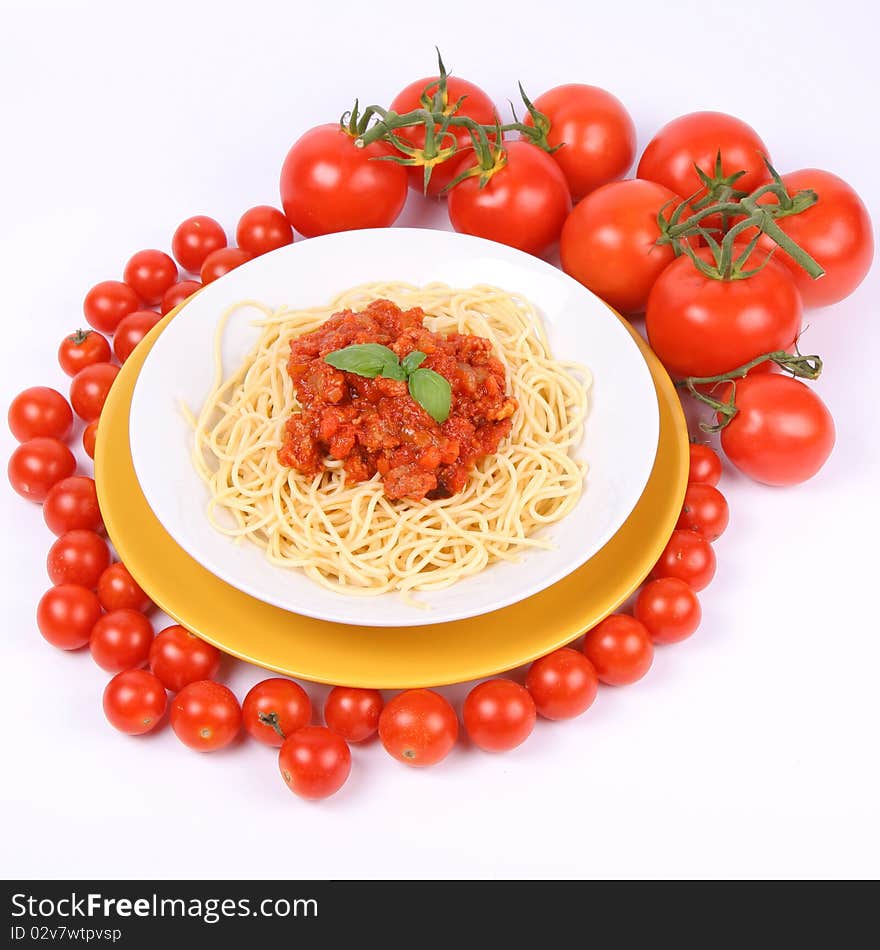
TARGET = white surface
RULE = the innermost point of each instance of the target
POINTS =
(749, 750)
(181, 367)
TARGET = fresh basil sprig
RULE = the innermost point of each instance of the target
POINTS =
(429, 389)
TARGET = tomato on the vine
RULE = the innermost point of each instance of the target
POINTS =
(134, 702)
(499, 715)
(596, 134)
(78, 557)
(219, 263)
(329, 184)
(689, 557)
(274, 709)
(179, 658)
(107, 303)
(353, 713)
(314, 762)
(149, 274)
(118, 590)
(177, 293)
(120, 640)
(205, 716)
(66, 615)
(669, 609)
(263, 229)
(705, 511)
(705, 465)
(81, 349)
(563, 684)
(418, 727)
(131, 330)
(37, 465)
(40, 412)
(89, 389)
(90, 438)
(194, 239)
(620, 649)
(72, 504)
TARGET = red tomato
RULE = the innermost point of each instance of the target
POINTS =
(705, 511)
(597, 135)
(89, 389)
(609, 242)
(121, 640)
(36, 466)
(131, 330)
(705, 466)
(329, 184)
(499, 715)
(524, 204)
(205, 716)
(195, 239)
(107, 303)
(72, 504)
(40, 412)
(477, 106)
(221, 262)
(179, 658)
(275, 709)
(699, 326)
(689, 557)
(82, 349)
(563, 684)
(149, 274)
(669, 609)
(836, 231)
(118, 590)
(620, 649)
(90, 438)
(314, 762)
(78, 557)
(418, 727)
(66, 615)
(696, 139)
(263, 229)
(134, 702)
(353, 713)
(782, 433)
(177, 293)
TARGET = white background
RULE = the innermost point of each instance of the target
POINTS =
(750, 750)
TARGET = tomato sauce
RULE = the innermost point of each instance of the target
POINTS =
(374, 425)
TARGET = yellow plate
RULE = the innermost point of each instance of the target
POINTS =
(377, 657)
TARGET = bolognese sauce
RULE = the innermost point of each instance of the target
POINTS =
(374, 425)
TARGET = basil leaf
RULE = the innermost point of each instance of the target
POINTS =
(393, 371)
(363, 359)
(432, 392)
(412, 361)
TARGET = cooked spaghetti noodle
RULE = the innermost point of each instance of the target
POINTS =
(350, 537)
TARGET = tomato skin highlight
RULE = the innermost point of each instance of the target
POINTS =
(107, 303)
(78, 557)
(40, 412)
(134, 702)
(620, 649)
(563, 684)
(179, 658)
(705, 465)
(689, 557)
(120, 640)
(205, 716)
(597, 135)
(118, 590)
(149, 274)
(609, 242)
(66, 615)
(177, 293)
(82, 349)
(353, 713)
(499, 715)
(288, 701)
(669, 609)
(37, 466)
(328, 184)
(418, 727)
(314, 762)
(89, 389)
(782, 433)
(705, 511)
(219, 263)
(263, 229)
(131, 330)
(73, 503)
(524, 204)
(194, 239)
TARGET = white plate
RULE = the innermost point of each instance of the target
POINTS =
(619, 445)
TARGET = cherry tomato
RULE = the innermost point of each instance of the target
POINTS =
(477, 106)
(620, 649)
(179, 658)
(149, 274)
(329, 184)
(81, 349)
(836, 231)
(689, 557)
(90, 438)
(696, 139)
(89, 389)
(699, 326)
(782, 433)
(66, 615)
(121, 640)
(669, 609)
(524, 204)
(221, 262)
(353, 713)
(37, 465)
(705, 466)
(177, 293)
(107, 303)
(705, 511)
(263, 229)
(78, 557)
(609, 242)
(314, 762)
(134, 702)
(40, 412)
(418, 727)
(205, 716)
(499, 715)
(118, 590)
(597, 135)
(72, 504)
(131, 330)
(195, 239)
(275, 709)
(563, 684)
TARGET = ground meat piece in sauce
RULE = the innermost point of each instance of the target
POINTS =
(374, 425)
